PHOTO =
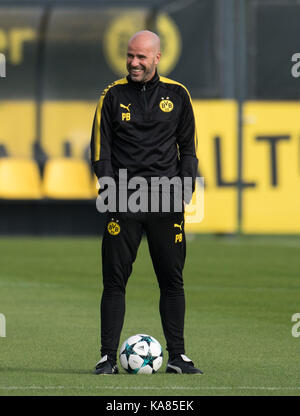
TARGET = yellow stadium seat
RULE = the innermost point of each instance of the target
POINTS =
(19, 179)
(67, 178)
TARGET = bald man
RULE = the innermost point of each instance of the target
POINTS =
(143, 55)
(144, 130)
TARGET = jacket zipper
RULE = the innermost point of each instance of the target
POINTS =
(144, 94)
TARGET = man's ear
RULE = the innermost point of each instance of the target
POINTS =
(157, 57)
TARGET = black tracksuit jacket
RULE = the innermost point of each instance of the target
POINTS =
(146, 128)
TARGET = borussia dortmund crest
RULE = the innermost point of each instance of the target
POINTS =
(166, 105)
(113, 227)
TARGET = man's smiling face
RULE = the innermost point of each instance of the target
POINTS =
(143, 55)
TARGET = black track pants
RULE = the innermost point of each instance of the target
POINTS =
(167, 246)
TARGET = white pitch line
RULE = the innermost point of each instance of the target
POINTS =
(146, 388)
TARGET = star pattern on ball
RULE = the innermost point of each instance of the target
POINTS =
(141, 354)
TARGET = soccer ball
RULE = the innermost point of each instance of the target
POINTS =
(141, 354)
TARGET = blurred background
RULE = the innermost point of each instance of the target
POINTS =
(234, 56)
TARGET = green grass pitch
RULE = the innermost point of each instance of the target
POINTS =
(241, 293)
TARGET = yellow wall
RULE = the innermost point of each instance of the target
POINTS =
(272, 207)
(268, 207)
(217, 118)
(67, 121)
(17, 126)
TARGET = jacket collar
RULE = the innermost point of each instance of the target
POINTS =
(149, 84)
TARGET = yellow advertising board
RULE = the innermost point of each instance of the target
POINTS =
(271, 160)
(216, 124)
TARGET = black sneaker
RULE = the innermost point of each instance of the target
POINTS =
(181, 364)
(106, 366)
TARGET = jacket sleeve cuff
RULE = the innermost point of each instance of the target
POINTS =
(103, 168)
(188, 169)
